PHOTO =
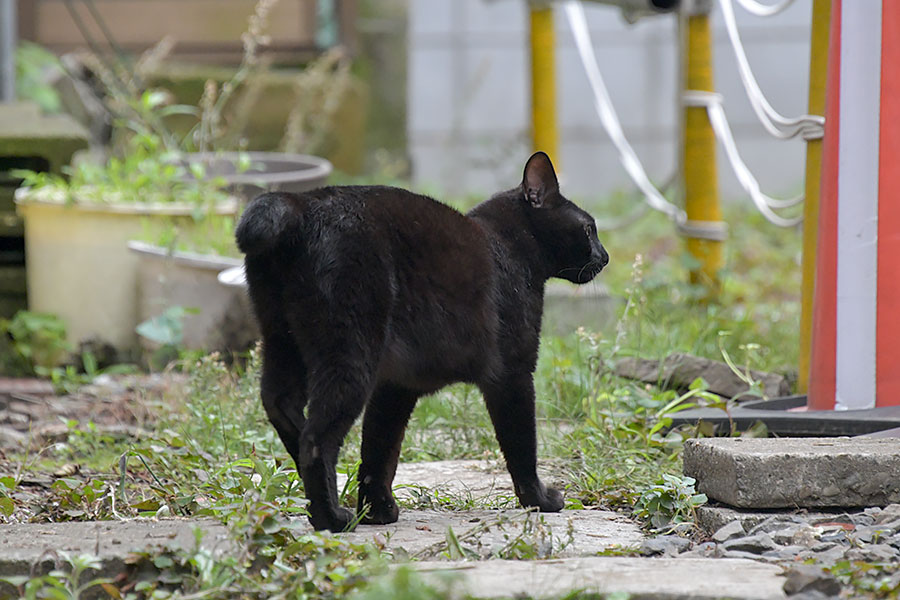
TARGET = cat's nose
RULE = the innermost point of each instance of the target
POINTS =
(603, 259)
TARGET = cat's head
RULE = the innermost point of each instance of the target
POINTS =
(567, 234)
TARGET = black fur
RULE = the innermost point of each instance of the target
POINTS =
(370, 297)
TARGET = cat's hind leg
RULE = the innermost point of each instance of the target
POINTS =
(510, 402)
(283, 390)
(340, 327)
(341, 335)
(338, 390)
(384, 423)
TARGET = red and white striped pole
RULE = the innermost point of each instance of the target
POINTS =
(855, 361)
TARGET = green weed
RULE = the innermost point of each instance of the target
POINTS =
(31, 341)
(64, 582)
(670, 502)
(868, 580)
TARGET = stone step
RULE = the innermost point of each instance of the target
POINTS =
(796, 472)
(34, 547)
(645, 578)
(423, 534)
(474, 482)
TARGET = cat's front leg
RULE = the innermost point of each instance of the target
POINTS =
(510, 403)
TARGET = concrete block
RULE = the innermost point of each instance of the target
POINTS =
(27, 548)
(796, 472)
(630, 577)
(483, 533)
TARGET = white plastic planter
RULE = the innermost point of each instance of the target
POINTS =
(189, 280)
(78, 265)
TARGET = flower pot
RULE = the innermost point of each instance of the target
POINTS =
(78, 265)
(222, 321)
(268, 171)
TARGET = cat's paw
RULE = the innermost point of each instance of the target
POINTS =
(377, 505)
(379, 513)
(337, 521)
(546, 499)
(553, 501)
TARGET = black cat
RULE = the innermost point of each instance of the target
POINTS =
(370, 297)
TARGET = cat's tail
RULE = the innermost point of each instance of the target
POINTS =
(265, 222)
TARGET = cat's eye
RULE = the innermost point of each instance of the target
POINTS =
(589, 229)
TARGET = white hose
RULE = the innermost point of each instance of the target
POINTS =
(764, 10)
(811, 126)
(603, 105)
(713, 104)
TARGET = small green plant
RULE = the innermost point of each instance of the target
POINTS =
(35, 340)
(405, 583)
(80, 500)
(37, 346)
(32, 63)
(145, 173)
(166, 330)
(7, 487)
(272, 562)
(535, 541)
(64, 582)
(67, 379)
(669, 503)
(751, 352)
(868, 580)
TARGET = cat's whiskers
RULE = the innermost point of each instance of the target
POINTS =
(590, 266)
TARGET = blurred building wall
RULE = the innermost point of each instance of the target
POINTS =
(468, 96)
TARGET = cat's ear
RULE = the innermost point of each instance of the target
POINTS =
(539, 180)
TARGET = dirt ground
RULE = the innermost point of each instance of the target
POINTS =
(36, 422)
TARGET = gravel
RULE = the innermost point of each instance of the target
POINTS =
(804, 579)
(870, 535)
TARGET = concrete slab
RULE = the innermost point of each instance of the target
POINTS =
(24, 546)
(796, 472)
(418, 534)
(634, 578)
(423, 534)
(482, 530)
(479, 482)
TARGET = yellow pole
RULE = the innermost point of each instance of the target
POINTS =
(544, 132)
(701, 190)
(818, 68)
